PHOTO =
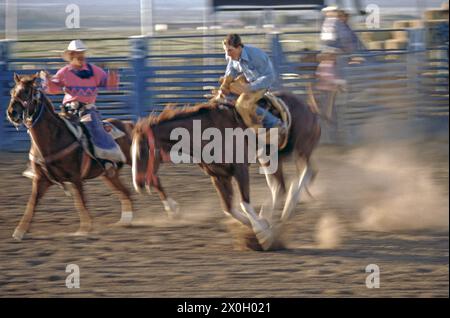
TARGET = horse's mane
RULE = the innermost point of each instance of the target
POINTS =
(172, 112)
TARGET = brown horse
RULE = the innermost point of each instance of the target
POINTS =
(57, 156)
(152, 143)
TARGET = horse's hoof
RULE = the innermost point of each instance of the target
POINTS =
(18, 235)
(122, 223)
(265, 238)
(264, 233)
(81, 233)
(125, 219)
(172, 208)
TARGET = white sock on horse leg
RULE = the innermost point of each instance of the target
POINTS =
(293, 196)
(238, 215)
(261, 227)
(126, 217)
(258, 224)
(171, 207)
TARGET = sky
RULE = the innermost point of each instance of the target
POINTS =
(105, 13)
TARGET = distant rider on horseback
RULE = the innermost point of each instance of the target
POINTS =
(255, 65)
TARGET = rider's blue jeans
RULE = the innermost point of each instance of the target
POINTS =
(268, 120)
(94, 124)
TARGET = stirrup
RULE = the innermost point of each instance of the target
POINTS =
(109, 168)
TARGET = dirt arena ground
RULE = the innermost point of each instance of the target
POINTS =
(375, 205)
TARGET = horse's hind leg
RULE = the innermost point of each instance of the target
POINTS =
(170, 205)
(40, 186)
(224, 187)
(293, 196)
(80, 204)
(125, 199)
(277, 187)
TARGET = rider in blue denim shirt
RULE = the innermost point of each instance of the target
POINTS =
(255, 65)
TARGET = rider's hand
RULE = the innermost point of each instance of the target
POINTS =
(238, 88)
(224, 90)
(113, 80)
(44, 75)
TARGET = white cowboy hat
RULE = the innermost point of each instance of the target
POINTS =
(330, 9)
(76, 46)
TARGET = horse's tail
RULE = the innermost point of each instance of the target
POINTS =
(124, 142)
(129, 127)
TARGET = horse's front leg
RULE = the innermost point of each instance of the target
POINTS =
(224, 188)
(40, 186)
(261, 227)
(125, 199)
(80, 204)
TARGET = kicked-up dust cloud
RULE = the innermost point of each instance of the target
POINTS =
(385, 188)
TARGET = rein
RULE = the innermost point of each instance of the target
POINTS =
(39, 157)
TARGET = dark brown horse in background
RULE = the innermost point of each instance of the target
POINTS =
(59, 156)
(152, 142)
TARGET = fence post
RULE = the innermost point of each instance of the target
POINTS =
(139, 52)
(5, 46)
(415, 60)
(277, 58)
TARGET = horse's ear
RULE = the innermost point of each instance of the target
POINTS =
(16, 78)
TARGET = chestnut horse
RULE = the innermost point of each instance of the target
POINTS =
(152, 142)
(58, 156)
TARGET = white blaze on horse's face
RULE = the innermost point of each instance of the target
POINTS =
(15, 110)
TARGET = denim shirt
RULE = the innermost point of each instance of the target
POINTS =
(337, 34)
(256, 66)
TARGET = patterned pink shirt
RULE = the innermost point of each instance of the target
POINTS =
(76, 88)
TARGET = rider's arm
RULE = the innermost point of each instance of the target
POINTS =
(54, 84)
(266, 72)
(108, 80)
(231, 71)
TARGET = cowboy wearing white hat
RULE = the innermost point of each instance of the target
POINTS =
(80, 81)
(75, 46)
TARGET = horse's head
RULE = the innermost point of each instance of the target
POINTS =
(140, 155)
(24, 99)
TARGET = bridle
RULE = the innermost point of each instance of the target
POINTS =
(36, 98)
(30, 120)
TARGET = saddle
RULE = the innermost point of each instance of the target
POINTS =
(270, 101)
(76, 127)
(278, 108)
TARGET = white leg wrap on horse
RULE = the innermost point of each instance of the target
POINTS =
(261, 227)
(274, 186)
(171, 207)
(126, 217)
(238, 215)
(293, 196)
(18, 234)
